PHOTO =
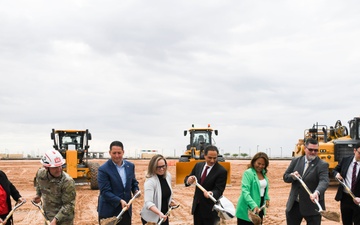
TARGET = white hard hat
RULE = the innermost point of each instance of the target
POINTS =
(52, 158)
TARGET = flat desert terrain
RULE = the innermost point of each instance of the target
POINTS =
(22, 172)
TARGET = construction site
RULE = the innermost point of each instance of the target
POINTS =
(21, 172)
(82, 164)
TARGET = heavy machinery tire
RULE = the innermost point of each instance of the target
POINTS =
(184, 159)
(220, 158)
(93, 167)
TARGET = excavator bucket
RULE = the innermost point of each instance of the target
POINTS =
(184, 168)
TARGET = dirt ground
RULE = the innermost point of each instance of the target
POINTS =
(21, 173)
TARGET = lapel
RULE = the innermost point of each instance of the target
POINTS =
(346, 165)
(116, 173)
(257, 181)
(302, 163)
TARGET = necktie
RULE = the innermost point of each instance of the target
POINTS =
(204, 175)
(306, 166)
(353, 180)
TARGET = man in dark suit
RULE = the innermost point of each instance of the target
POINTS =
(214, 181)
(350, 210)
(116, 179)
(300, 205)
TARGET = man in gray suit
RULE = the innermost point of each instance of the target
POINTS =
(316, 176)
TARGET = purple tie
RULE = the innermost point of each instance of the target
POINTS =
(204, 175)
(353, 180)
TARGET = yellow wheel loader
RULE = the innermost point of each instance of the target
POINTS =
(73, 146)
(199, 139)
(335, 142)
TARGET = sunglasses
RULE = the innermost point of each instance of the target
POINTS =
(161, 167)
(313, 149)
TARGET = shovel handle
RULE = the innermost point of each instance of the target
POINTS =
(204, 190)
(47, 221)
(347, 189)
(129, 203)
(12, 211)
(309, 192)
(168, 213)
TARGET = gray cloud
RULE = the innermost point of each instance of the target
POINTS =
(141, 72)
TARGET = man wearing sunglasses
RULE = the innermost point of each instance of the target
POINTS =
(314, 172)
(348, 172)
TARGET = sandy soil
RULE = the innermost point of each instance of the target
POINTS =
(21, 173)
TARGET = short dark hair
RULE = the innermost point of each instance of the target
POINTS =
(311, 141)
(357, 145)
(116, 143)
(211, 148)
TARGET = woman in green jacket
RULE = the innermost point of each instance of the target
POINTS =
(254, 189)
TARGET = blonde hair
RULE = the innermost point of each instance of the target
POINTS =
(153, 165)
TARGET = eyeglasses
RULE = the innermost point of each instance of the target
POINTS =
(313, 149)
(161, 167)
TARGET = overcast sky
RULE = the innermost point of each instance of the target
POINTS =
(142, 72)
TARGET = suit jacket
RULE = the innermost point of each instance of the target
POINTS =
(215, 182)
(316, 177)
(10, 190)
(112, 189)
(342, 168)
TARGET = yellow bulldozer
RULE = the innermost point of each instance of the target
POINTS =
(73, 146)
(199, 139)
(335, 142)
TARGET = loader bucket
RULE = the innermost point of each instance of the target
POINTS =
(184, 168)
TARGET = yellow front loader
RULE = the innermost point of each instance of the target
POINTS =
(199, 139)
(73, 146)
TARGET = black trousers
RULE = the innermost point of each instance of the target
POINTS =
(199, 219)
(350, 212)
(294, 217)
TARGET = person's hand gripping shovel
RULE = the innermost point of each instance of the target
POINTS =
(254, 217)
(223, 206)
(39, 206)
(17, 205)
(347, 189)
(171, 207)
(328, 215)
(114, 220)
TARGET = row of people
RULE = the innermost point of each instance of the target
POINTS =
(117, 184)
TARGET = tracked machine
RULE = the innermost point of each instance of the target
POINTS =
(73, 146)
(335, 142)
(199, 139)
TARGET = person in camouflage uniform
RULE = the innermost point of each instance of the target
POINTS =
(57, 190)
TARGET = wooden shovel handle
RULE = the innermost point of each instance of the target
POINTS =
(204, 190)
(308, 191)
